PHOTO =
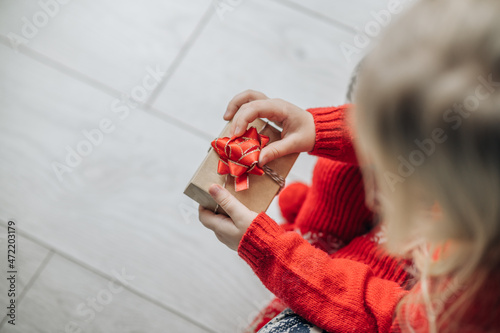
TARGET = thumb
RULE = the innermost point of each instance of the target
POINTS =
(275, 150)
(228, 202)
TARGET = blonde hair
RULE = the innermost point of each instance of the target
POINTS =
(428, 118)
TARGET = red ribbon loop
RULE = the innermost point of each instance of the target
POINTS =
(239, 156)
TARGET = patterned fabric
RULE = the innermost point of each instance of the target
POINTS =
(290, 322)
(269, 312)
(326, 242)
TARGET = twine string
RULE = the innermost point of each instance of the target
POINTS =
(275, 176)
(270, 172)
(278, 179)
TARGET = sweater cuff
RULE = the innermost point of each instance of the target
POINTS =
(333, 137)
(258, 238)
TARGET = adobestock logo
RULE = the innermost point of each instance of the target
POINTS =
(74, 157)
(122, 109)
(31, 26)
(88, 310)
(224, 6)
(453, 116)
(363, 38)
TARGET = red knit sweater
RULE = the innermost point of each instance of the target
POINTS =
(354, 289)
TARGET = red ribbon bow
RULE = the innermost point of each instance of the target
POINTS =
(239, 156)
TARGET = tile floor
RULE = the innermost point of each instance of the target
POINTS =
(109, 243)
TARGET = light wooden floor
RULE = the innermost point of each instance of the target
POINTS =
(121, 209)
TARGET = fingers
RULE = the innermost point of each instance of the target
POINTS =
(235, 209)
(223, 227)
(240, 99)
(277, 149)
(215, 222)
(272, 109)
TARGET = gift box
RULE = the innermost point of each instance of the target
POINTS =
(263, 185)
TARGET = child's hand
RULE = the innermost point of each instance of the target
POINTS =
(298, 134)
(228, 230)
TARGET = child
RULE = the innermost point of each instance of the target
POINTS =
(426, 128)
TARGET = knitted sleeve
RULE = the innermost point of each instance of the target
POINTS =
(336, 294)
(333, 137)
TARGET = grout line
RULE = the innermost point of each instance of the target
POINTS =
(36, 274)
(181, 55)
(315, 14)
(30, 283)
(76, 75)
(96, 271)
(54, 64)
(179, 123)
